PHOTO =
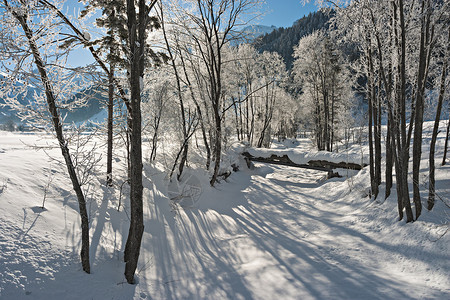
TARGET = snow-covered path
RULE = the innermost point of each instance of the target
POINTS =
(278, 233)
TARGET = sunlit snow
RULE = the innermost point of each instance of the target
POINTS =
(273, 232)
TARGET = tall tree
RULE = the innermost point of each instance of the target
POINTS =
(187, 121)
(26, 15)
(137, 24)
(442, 90)
(424, 55)
(132, 31)
(109, 47)
(401, 77)
(215, 23)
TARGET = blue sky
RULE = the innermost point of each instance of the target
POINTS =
(282, 13)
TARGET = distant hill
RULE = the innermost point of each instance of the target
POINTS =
(282, 40)
(93, 107)
(255, 31)
(250, 33)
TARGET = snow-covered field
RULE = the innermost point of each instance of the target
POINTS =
(273, 232)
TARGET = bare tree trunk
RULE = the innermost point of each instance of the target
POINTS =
(183, 160)
(389, 159)
(208, 149)
(241, 126)
(109, 154)
(267, 118)
(157, 122)
(444, 158)
(53, 109)
(236, 116)
(332, 129)
(391, 133)
(217, 146)
(326, 137)
(204, 135)
(377, 138)
(136, 25)
(371, 154)
(404, 149)
(247, 116)
(370, 98)
(432, 181)
(401, 137)
(319, 131)
(251, 130)
(397, 177)
(424, 58)
(128, 145)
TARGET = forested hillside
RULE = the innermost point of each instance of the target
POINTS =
(282, 40)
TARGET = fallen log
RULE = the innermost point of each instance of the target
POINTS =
(281, 160)
(333, 165)
(320, 165)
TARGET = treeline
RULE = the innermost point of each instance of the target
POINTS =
(399, 64)
(403, 64)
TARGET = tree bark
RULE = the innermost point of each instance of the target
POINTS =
(109, 154)
(402, 140)
(268, 113)
(136, 25)
(389, 160)
(217, 146)
(377, 140)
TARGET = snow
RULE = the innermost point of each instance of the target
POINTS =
(267, 233)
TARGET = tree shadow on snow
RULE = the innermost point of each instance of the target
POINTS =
(249, 240)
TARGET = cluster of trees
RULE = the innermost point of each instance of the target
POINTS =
(34, 51)
(395, 54)
(199, 90)
(195, 85)
(404, 55)
(326, 93)
(253, 106)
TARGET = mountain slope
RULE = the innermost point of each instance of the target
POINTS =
(93, 106)
(282, 40)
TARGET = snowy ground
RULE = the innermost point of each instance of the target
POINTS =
(272, 232)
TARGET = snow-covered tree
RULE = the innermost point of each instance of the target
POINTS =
(397, 39)
(34, 62)
(320, 70)
(210, 26)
